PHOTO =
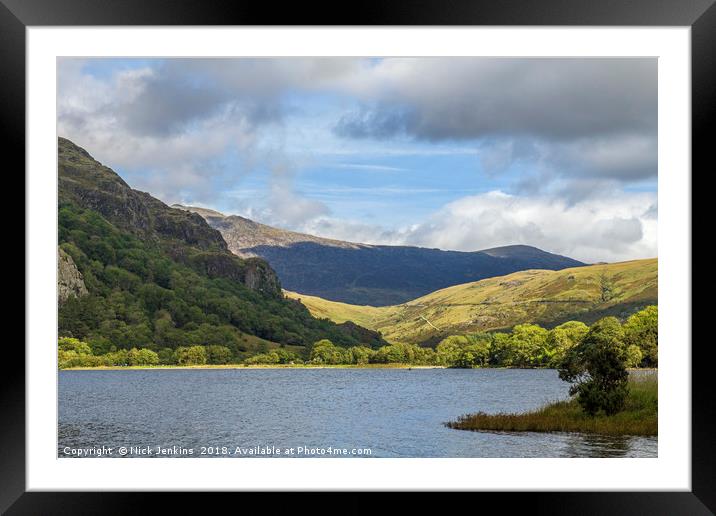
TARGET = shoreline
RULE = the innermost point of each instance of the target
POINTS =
(256, 366)
(310, 366)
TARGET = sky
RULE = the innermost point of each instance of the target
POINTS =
(450, 153)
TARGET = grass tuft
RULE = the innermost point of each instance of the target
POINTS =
(639, 416)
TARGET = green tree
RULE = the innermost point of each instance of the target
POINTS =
(72, 344)
(501, 350)
(529, 345)
(194, 355)
(425, 356)
(142, 357)
(395, 354)
(218, 354)
(449, 349)
(473, 355)
(361, 354)
(564, 337)
(642, 329)
(167, 356)
(325, 352)
(597, 368)
(634, 356)
(263, 358)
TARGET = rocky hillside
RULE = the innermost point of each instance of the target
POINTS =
(134, 272)
(376, 275)
(87, 183)
(244, 236)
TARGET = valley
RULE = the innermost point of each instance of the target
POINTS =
(535, 296)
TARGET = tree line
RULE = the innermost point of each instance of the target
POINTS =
(526, 346)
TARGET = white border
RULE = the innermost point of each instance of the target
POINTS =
(671, 470)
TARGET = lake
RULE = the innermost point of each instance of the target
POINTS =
(317, 412)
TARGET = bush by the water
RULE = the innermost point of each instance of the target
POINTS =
(638, 417)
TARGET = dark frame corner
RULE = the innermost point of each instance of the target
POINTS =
(700, 15)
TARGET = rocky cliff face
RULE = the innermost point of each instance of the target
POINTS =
(69, 280)
(91, 185)
(184, 235)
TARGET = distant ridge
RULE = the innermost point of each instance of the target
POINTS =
(363, 274)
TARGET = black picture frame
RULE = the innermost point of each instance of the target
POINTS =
(17, 15)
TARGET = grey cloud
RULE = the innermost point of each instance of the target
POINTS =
(167, 105)
(579, 118)
(384, 122)
(551, 99)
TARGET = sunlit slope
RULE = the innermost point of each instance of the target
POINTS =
(366, 316)
(537, 296)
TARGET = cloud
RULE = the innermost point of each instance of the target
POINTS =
(470, 98)
(574, 117)
(610, 228)
(617, 227)
(378, 168)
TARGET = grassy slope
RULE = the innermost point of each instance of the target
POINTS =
(639, 417)
(541, 296)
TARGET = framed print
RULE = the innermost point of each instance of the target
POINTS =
(417, 249)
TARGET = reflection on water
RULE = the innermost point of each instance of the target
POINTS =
(587, 445)
(393, 412)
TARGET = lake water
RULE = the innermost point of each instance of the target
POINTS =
(252, 412)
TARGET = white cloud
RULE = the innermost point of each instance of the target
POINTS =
(616, 227)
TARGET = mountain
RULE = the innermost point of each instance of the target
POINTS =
(134, 272)
(533, 296)
(362, 274)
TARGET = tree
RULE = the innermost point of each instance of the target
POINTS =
(194, 355)
(529, 345)
(141, 357)
(642, 330)
(634, 356)
(597, 368)
(218, 354)
(167, 356)
(263, 358)
(71, 344)
(325, 352)
(448, 351)
(564, 337)
(500, 350)
(473, 355)
(361, 354)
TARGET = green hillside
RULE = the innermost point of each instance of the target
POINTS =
(533, 296)
(134, 272)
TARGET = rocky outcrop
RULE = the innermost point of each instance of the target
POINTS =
(69, 279)
(259, 276)
(255, 273)
(183, 234)
(91, 185)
